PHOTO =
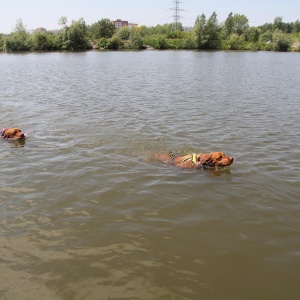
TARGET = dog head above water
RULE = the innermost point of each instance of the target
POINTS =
(214, 159)
(13, 133)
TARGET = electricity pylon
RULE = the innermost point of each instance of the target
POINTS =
(176, 14)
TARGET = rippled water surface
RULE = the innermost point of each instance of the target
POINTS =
(87, 213)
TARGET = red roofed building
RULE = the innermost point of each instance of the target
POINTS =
(119, 24)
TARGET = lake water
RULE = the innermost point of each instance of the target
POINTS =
(87, 213)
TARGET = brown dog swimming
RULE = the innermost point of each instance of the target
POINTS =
(196, 161)
(12, 133)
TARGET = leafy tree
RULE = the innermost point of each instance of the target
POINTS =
(103, 28)
(267, 27)
(156, 41)
(235, 42)
(252, 34)
(207, 32)
(266, 36)
(212, 32)
(240, 24)
(77, 36)
(160, 29)
(20, 30)
(175, 34)
(201, 37)
(54, 41)
(177, 26)
(40, 41)
(132, 36)
(63, 21)
(282, 41)
(190, 41)
(114, 43)
(143, 30)
(135, 40)
(161, 42)
(296, 27)
(1, 42)
(63, 32)
(102, 43)
(278, 24)
(17, 40)
(228, 27)
(124, 33)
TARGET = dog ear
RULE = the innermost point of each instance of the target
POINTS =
(204, 158)
(6, 134)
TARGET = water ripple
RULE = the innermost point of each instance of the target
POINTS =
(86, 211)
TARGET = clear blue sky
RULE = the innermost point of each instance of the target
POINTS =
(46, 13)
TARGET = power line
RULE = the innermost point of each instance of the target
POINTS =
(176, 14)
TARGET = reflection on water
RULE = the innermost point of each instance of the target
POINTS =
(86, 213)
(16, 143)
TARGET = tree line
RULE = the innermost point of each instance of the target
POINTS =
(207, 33)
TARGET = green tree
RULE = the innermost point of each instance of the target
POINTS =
(281, 40)
(235, 42)
(266, 27)
(278, 24)
(54, 41)
(207, 32)
(77, 36)
(158, 41)
(135, 40)
(165, 29)
(177, 26)
(199, 29)
(40, 41)
(103, 28)
(190, 41)
(114, 43)
(17, 40)
(266, 36)
(124, 33)
(228, 26)
(63, 21)
(144, 30)
(296, 27)
(63, 32)
(161, 42)
(240, 24)
(212, 32)
(252, 34)
(1, 42)
(175, 34)
(102, 43)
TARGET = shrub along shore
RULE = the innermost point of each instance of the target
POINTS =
(207, 33)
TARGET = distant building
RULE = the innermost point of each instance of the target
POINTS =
(119, 23)
(33, 31)
(41, 29)
(186, 29)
